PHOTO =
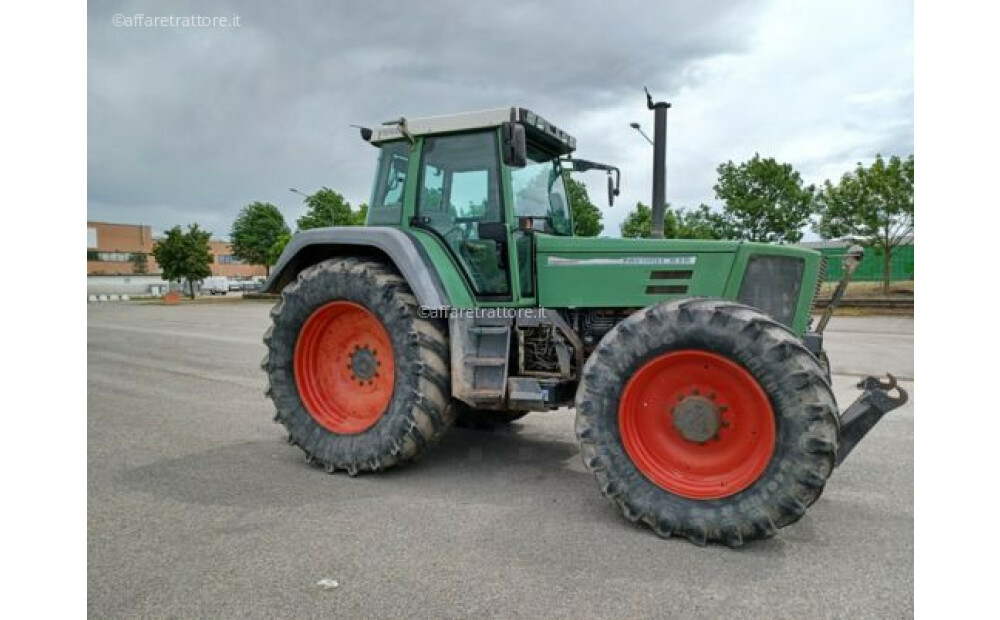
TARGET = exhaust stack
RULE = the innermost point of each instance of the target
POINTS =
(659, 206)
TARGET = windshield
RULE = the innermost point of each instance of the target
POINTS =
(539, 192)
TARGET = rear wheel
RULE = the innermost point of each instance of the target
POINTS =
(706, 419)
(358, 379)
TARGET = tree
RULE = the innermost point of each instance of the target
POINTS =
(184, 255)
(873, 205)
(255, 231)
(328, 208)
(361, 215)
(638, 223)
(279, 246)
(700, 223)
(703, 223)
(764, 200)
(587, 218)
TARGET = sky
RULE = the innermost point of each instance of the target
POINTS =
(190, 124)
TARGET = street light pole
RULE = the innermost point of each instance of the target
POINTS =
(295, 191)
(642, 133)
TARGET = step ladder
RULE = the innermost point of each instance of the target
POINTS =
(479, 354)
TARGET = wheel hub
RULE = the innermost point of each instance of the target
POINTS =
(697, 424)
(364, 365)
(344, 367)
(697, 419)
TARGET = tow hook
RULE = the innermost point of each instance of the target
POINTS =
(865, 412)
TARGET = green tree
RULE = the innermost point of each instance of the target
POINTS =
(703, 223)
(764, 200)
(328, 208)
(873, 205)
(587, 218)
(185, 255)
(255, 231)
(274, 253)
(361, 215)
(639, 222)
(700, 223)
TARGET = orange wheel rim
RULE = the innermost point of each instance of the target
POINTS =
(697, 424)
(344, 368)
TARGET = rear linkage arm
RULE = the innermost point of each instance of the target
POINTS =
(865, 412)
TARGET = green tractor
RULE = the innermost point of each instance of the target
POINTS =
(703, 399)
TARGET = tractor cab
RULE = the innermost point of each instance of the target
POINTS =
(480, 183)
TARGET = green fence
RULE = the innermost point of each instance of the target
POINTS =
(870, 269)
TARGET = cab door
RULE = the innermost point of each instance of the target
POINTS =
(459, 200)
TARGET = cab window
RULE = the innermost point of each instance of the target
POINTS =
(540, 193)
(386, 205)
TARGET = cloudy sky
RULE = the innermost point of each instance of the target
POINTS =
(190, 124)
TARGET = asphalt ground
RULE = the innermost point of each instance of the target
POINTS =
(198, 507)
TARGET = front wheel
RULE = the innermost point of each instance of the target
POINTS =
(706, 419)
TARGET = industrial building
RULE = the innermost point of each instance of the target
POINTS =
(120, 260)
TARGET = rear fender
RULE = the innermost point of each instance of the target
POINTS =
(396, 246)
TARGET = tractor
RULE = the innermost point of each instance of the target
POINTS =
(702, 396)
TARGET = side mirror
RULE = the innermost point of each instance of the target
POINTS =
(613, 187)
(515, 149)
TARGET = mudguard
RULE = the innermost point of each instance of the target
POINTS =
(405, 252)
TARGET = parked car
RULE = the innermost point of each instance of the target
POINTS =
(215, 285)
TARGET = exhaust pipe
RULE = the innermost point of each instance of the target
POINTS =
(659, 164)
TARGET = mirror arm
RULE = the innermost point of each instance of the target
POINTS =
(585, 165)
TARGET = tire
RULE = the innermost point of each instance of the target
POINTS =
(358, 379)
(782, 428)
(483, 419)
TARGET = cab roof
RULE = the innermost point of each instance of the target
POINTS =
(537, 128)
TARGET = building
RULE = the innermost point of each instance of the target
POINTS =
(127, 249)
(225, 264)
(119, 249)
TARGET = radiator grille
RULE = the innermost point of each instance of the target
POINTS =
(820, 279)
(772, 284)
